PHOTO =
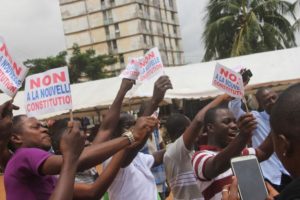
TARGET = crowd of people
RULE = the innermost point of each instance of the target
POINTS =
(55, 161)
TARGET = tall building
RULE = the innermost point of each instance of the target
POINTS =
(124, 28)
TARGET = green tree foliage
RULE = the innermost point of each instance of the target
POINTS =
(43, 64)
(79, 62)
(89, 63)
(240, 27)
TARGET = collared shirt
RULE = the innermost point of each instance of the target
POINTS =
(211, 188)
(272, 168)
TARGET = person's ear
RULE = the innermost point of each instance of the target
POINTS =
(209, 127)
(16, 139)
(287, 148)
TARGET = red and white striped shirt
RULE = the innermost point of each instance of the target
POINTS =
(211, 188)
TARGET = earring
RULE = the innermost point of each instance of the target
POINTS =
(284, 154)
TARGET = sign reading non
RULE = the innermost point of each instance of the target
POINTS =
(228, 81)
(48, 92)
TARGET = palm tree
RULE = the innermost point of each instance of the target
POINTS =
(296, 25)
(240, 27)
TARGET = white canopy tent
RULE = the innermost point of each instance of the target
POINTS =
(189, 81)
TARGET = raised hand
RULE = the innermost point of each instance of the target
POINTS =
(160, 87)
(72, 141)
(6, 118)
(230, 192)
(143, 127)
(127, 84)
(247, 124)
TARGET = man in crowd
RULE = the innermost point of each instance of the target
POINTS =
(285, 123)
(177, 159)
(272, 169)
(226, 139)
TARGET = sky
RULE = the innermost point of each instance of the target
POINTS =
(33, 28)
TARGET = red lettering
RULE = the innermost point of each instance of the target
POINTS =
(47, 80)
(147, 58)
(232, 77)
(35, 83)
(224, 72)
(16, 68)
(57, 77)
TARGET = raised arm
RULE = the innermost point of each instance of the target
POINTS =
(5, 126)
(96, 190)
(160, 88)
(95, 154)
(112, 117)
(71, 146)
(192, 131)
(265, 149)
(218, 164)
(235, 106)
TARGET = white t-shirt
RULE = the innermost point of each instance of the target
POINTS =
(179, 172)
(134, 182)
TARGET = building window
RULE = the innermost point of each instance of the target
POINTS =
(175, 29)
(143, 25)
(107, 15)
(107, 31)
(176, 44)
(121, 59)
(171, 3)
(152, 40)
(150, 26)
(173, 16)
(117, 30)
(147, 11)
(114, 44)
(112, 2)
(141, 7)
(102, 3)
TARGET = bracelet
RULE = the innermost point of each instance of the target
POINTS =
(129, 135)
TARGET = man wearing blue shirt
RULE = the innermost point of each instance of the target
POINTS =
(272, 168)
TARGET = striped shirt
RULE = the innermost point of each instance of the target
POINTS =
(211, 188)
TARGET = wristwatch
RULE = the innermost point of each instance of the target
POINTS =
(129, 135)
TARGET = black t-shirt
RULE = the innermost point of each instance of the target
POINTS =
(291, 191)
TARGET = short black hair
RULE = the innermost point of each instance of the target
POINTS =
(56, 131)
(260, 92)
(17, 123)
(285, 115)
(210, 116)
(125, 122)
(176, 125)
(16, 129)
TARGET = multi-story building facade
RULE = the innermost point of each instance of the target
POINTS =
(124, 28)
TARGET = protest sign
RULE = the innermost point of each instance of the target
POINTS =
(11, 74)
(228, 81)
(150, 65)
(132, 69)
(48, 92)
